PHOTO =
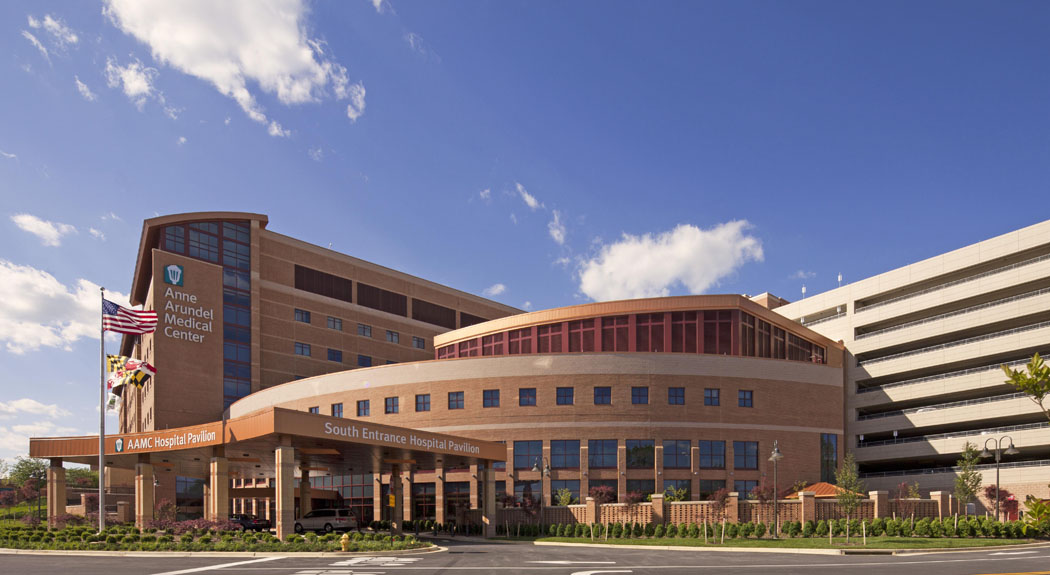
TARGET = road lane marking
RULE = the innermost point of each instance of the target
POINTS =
(214, 567)
(596, 572)
(575, 562)
(1013, 552)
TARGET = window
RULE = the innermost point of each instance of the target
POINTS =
(711, 396)
(615, 334)
(423, 402)
(747, 334)
(455, 400)
(602, 395)
(640, 454)
(424, 501)
(712, 454)
(573, 485)
(601, 454)
(364, 361)
(643, 486)
(676, 396)
(364, 330)
(565, 454)
(469, 348)
(490, 398)
(683, 332)
(718, 332)
(640, 395)
(829, 456)
(337, 410)
(302, 349)
(677, 485)
(745, 398)
(549, 338)
(527, 396)
(744, 487)
(393, 336)
(314, 409)
(321, 283)
(335, 323)
(492, 344)
(390, 405)
(302, 316)
(419, 343)
(649, 332)
(362, 408)
(519, 341)
(527, 453)
(676, 454)
(708, 487)
(745, 455)
(433, 313)
(581, 335)
(527, 489)
(335, 355)
(564, 396)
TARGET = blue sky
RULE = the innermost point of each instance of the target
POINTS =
(547, 153)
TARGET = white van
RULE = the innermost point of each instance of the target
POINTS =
(327, 520)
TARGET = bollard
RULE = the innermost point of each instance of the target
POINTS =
(345, 541)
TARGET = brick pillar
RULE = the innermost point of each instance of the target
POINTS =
(658, 468)
(621, 461)
(546, 479)
(475, 502)
(659, 516)
(407, 478)
(284, 498)
(882, 502)
(592, 511)
(144, 494)
(123, 511)
(56, 492)
(207, 500)
(694, 483)
(585, 481)
(943, 503)
(510, 472)
(377, 496)
(809, 505)
(396, 489)
(733, 507)
(218, 471)
(488, 504)
(306, 493)
(439, 494)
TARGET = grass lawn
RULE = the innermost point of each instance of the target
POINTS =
(810, 542)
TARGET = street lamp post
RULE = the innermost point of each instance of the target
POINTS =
(775, 457)
(1011, 450)
(545, 473)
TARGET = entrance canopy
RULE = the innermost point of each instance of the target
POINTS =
(322, 444)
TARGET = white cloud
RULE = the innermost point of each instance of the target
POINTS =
(529, 199)
(36, 43)
(380, 4)
(172, 112)
(226, 121)
(7, 155)
(42, 428)
(85, 92)
(32, 406)
(556, 228)
(562, 261)
(112, 216)
(650, 265)
(277, 131)
(40, 311)
(49, 232)
(97, 234)
(316, 154)
(356, 108)
(802, 275)
(135, 79)
(494, 290)
(485, 194)
(514, 219)
(526, 306)
(420, 46)
(182, 140)
(61, 34)
(234, 42)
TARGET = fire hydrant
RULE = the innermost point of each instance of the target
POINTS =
(345, 541)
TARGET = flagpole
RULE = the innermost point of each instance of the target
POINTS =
(102, 415)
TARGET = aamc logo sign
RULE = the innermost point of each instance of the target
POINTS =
(173, 275)
(120, 444)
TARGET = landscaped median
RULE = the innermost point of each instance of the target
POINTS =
(128, 538)
(948, 533)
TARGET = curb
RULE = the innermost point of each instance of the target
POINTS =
(80, 553)
(802, 551)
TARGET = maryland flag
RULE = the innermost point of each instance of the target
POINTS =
(126, 371)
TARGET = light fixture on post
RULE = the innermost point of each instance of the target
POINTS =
(999, 452)
(775, 457)
(545, 473)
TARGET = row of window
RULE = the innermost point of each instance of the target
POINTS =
(708, 487)
(336, 355)
(364, 330)
(640, 454)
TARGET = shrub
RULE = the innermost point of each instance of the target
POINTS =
(639, 530)
(948, 527)
(936, 528)
(906, 528)
(794, 528)
(672, 530)
(760, 530)
(822, 528)
(628, 530)
(617, 530)
(732, 530)
(578, 530)
(694, 530)
(659, 532)
(586, 531)
(650, 528)
(878, 526)
(746, 529)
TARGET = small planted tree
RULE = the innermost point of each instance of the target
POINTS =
(563, 497)
(602, 494)
(848, 480)
(1035, 383)
(671, 494)
(906, 495)
(969, 479)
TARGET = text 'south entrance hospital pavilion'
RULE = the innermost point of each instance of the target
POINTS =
(274, 443)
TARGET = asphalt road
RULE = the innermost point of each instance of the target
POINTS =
(474, 558)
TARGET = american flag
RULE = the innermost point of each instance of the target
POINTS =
(124, 320)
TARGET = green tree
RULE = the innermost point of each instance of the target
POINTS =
(26, 468)
(1035, 383)
(563, 497)
(81, 477)
(671, 494)
(969, 479)
(848, 480)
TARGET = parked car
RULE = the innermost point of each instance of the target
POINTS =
(250, 522)
(327, 520)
